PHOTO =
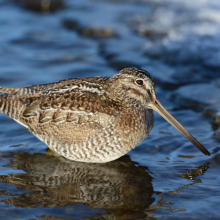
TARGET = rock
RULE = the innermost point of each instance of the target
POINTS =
(181, 33)
(216, 120)
(212, 110)
(120, 53)
(42, 5)
(173, 77)
(217, 135)
(197, 96)
(92, 32)
(70, 24)
(97, 32)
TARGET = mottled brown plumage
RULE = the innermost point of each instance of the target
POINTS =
(95, 119)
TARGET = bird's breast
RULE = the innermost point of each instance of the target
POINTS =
(135, 125)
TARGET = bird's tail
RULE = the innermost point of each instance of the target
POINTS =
(12, 106)
(6, 105)
(18, 90)
(7, 90)
(2, 104)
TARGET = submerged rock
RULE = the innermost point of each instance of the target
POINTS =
(42, 5)
(216, 120)
(212, 110)
(173, 77)
(217, 135)
(92, 32)
(182, 34)
(197, 96)
(97, 32)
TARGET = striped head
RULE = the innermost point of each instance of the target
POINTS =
(136, 84)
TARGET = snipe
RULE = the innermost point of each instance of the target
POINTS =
(95, 119)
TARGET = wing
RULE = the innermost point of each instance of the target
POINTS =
(26, 98)
(32, 89)
(70, 111)
(64, 114)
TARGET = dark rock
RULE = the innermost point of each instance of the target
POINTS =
(97, 32)
(217, 135)
(197, 96)
(216, 120)
(92, 32)
(70, 24)
(43, 6)
(120, 53)
(212, 110)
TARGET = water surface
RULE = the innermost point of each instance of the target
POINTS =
(165, 176)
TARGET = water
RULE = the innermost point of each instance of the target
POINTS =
(165, 176)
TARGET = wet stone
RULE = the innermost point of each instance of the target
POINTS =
(197, 96)
(97, 32)
(120, 53)
(70, 24)
(43, 6)
(212, 110)
(216, 120)
(173, 77)
(188, 36)
(217, 135)
(92, 32)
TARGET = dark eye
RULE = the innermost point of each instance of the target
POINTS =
(140, 82)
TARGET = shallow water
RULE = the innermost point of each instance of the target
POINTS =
(165, 176)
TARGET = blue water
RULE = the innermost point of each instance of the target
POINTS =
(165, 176)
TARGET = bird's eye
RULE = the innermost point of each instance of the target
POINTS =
(139, 82)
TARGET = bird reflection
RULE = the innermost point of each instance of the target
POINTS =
(122, 188)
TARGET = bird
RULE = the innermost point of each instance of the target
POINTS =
(93, 119)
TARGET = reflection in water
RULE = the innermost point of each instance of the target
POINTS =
(188, 174)
(193, 173)
(122, 188)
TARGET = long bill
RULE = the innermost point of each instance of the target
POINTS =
(157, 106)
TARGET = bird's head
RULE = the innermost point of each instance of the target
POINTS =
(138, 85)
